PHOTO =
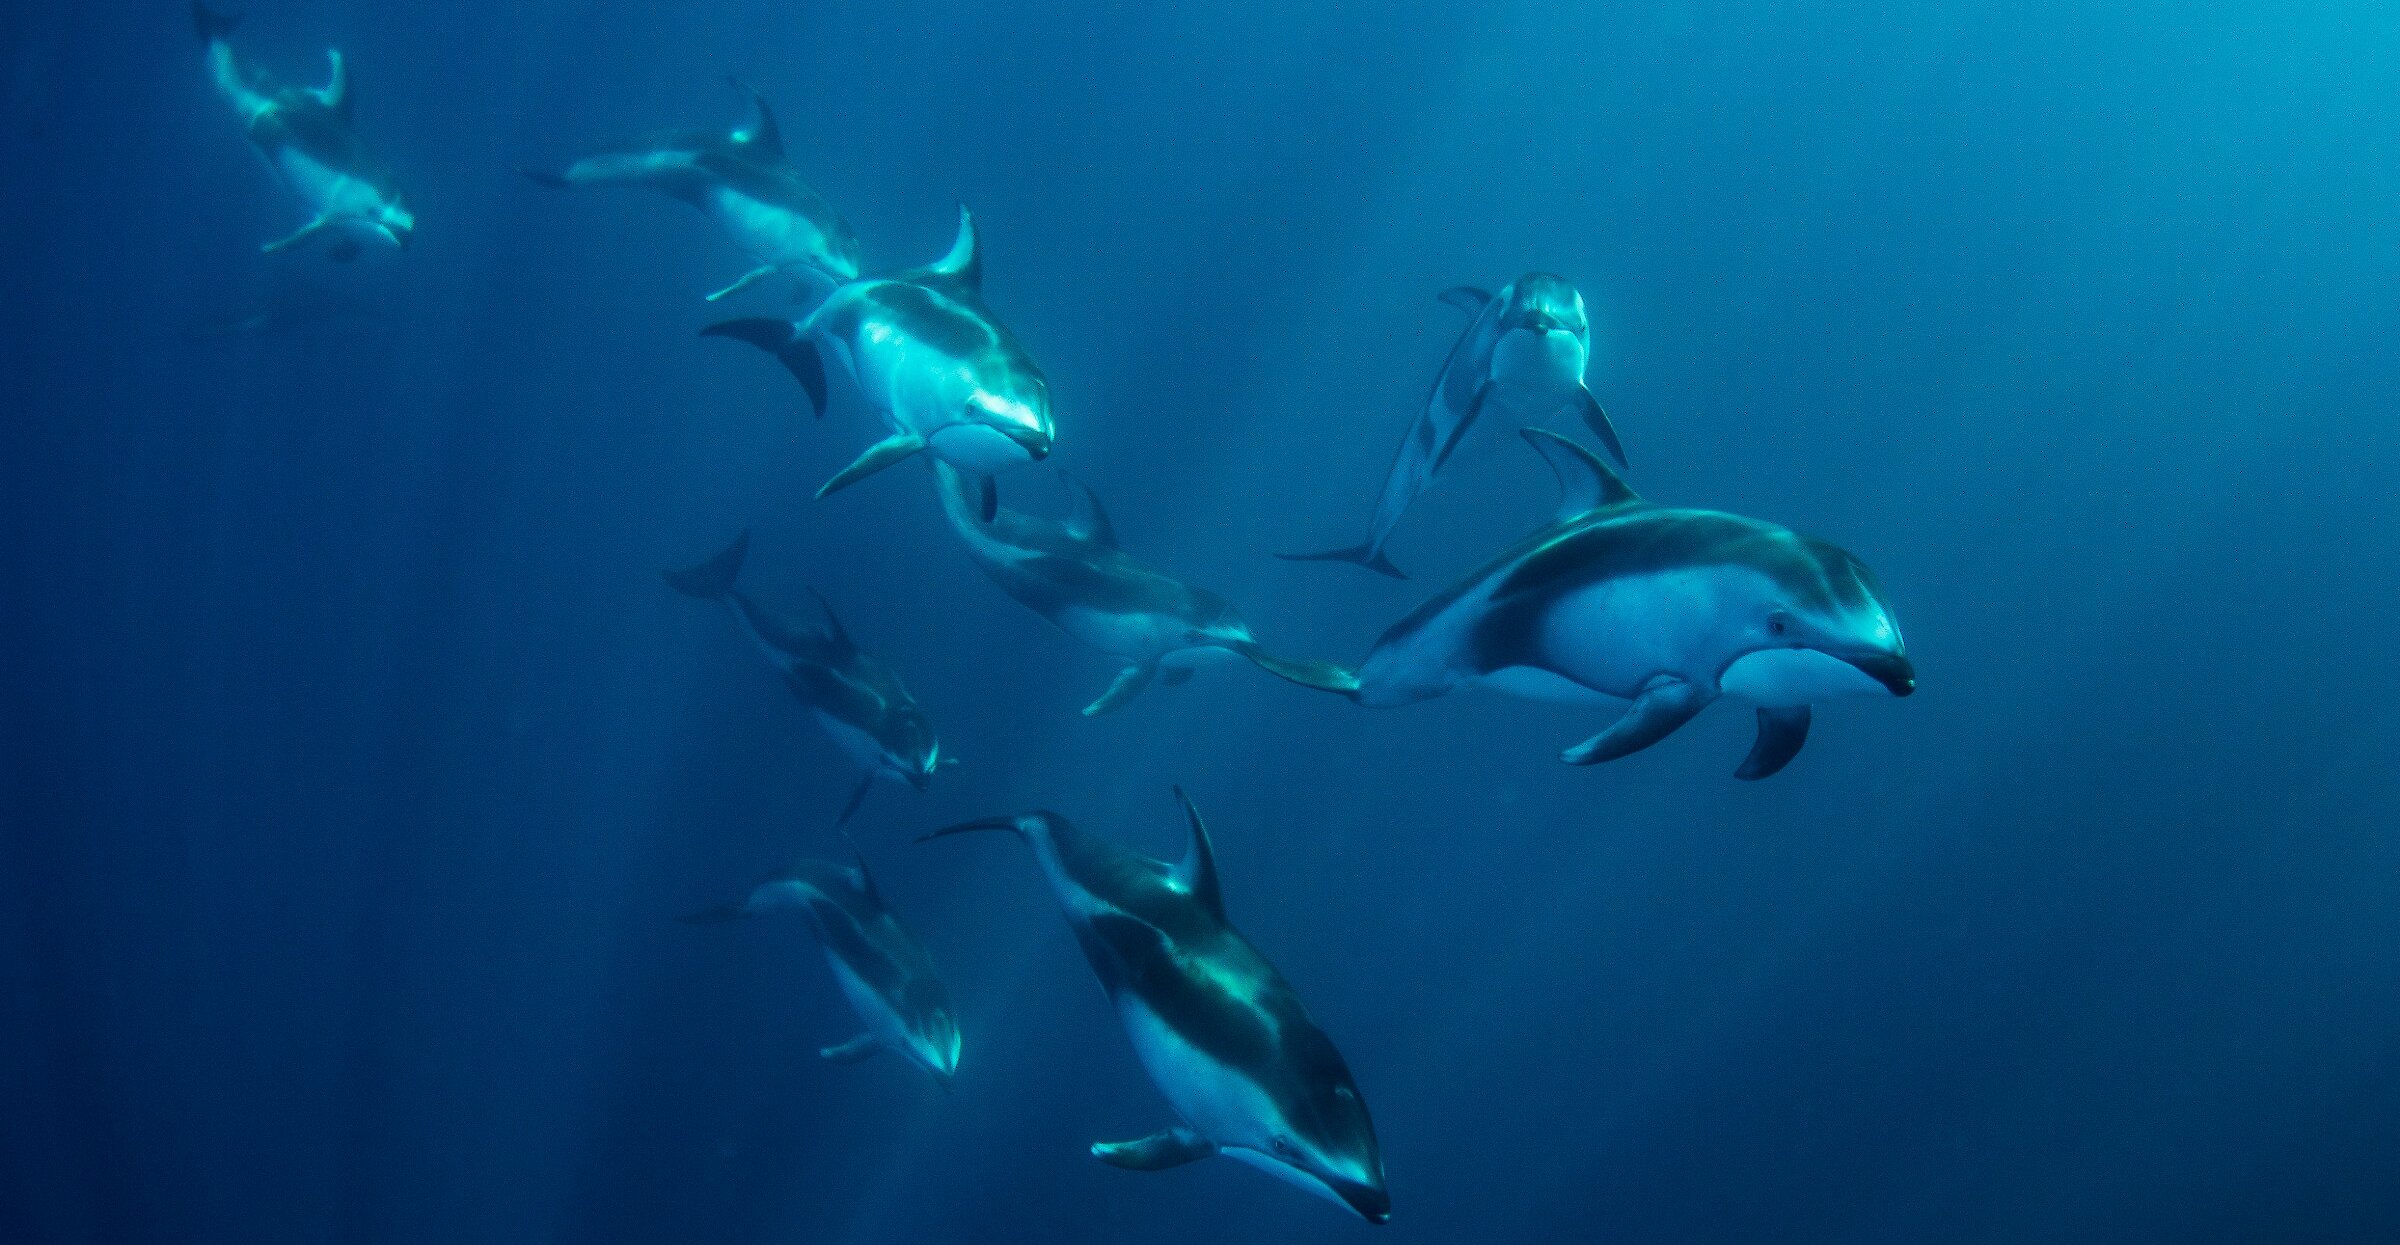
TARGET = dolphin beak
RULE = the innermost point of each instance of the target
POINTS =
(1372, 1201)
(1034, 441)
(919, 778)
(1890, 669)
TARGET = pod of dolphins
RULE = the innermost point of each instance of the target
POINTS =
(1615, 600)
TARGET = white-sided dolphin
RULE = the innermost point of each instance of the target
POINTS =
(1667, 608)
(741, 180)
(882, 969)
(943, 372)
(1524, 352)
(1220, 1032)
(307, 138)
(853, 695)
(1071, 572)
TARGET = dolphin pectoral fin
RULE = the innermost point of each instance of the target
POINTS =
(1175, 676)
(1458, 431)
(880, 455)
(296, 237)
(1597, 420)
(784, 340)
(1324, 676)
(858, 796)
(1368, 556)
(1654, 716)
(1156, 1152)
(1585, 483)
(1467, 298)
(864, 1046)
(1130, 682)
(1780, 734)
(745, 281)
(335, 94)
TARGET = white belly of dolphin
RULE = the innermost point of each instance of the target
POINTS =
(1796, 676)
(1618, 634)
(1536, 370)
(855, 744)
(973, 447)
(1219, 1103)
(878, 1016)
(769, 234)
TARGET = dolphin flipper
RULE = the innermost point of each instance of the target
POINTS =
(712, 579)
(878, 456)
(858, 796)
(1467, 298)
(783, 339)
(1597, 420)
(1321, 675)
(1780, 734)
(296, 237)
(745, 281)
(1130, 682)
(1156, 1152)
(1655, 714)
(864, 1046)
(1368, 556)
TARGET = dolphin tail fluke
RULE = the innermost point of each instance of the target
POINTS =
(1597, 420)
(1156, 1152)
(717, 915)
(1781, 732)
(1368, 556)
(782, 339)
(212, 25)
(713, 579)
(1321, 675)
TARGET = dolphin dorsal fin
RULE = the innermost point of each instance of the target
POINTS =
(762, 133)
(1086, 520)
(1196, 873)
(1467, 298)
(335, 94)
(859, 873)
(964, 262)
(834, 629)
(1585, 483)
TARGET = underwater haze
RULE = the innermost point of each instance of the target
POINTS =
(359, 765)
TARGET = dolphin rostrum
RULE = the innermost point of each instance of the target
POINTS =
(942, 371)
(852, 694)
(742, 181)
(1071, 572)
(1220, 1032)
(306, 137)
(881, 967)
(1524, 352)
(1666, 608)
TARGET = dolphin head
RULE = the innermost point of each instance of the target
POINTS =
(1822, 631)
(1322, 1139)
(394, 223)
(1018, 412)
(932, 1035)
(1541, 303)
(911, 748)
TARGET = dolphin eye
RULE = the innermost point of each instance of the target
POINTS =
(1779, 623)
(1283, 1146)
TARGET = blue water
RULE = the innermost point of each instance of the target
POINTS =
(357, 762)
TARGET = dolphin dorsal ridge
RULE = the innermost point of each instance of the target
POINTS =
(1196, 873)
(1585, 483)
(763, 133)
(1086, 518)
(964, 261)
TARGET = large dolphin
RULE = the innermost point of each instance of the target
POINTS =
(1666, 608)
(881, 967)
(1220, 1032)
(854, 696)
(942, 371)
(743, 182)
(1524, 353)
(307, 138)
(1071, 572)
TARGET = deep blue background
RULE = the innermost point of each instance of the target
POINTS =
(356, 761)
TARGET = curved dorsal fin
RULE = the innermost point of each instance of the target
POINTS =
(859, 872)
(1086, 520)
(833, 622)
(762, 133)
(1196, 873)
(335, 94)
(1585, 483)
(964, 262)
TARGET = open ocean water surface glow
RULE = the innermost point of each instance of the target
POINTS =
(358, 763)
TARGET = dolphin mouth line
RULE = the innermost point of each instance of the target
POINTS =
(1892, 670)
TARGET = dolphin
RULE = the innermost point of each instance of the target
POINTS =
(942, 371)
(1071, 572)
(307, 138)
(854, 696)
(1220, 1032)
(743, 182)
(881, 967)
(1667, 608)
(1524, 351)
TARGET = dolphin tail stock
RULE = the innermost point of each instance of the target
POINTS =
(784, 340)
(1324, 676)
(1369, 556)
(212, 25)
(712, 580)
